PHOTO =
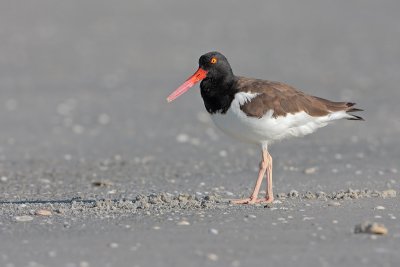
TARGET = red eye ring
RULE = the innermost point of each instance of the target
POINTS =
(213, 60)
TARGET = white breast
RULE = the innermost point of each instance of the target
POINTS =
(268, 129)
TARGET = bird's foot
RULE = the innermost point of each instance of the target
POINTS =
(266, 200)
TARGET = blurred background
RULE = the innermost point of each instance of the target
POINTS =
(86, 81)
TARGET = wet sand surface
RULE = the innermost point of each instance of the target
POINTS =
(97, 169)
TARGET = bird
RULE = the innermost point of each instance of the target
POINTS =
(260, 112)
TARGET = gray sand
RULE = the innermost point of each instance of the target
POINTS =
(96, 169)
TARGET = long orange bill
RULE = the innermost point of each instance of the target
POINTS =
(199, 75)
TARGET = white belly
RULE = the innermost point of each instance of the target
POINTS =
(268, 129)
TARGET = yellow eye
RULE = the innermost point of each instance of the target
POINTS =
(213, 60)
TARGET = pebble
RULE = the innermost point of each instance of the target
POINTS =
(371, 228)
(113, 245)
(281, 195)
(223, 153)
(309, 195)
(389, 193)
(294, 193)
(102, 183)
(43, 212)
(183, 223)
(334, 204)
(311, 170)
(23, 218)
(212, 256)
(78, 129)
(379, 208)
(213, 231)
(3, 179)
(182, 138)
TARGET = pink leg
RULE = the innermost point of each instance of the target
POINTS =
(269, 197)
(263, 168)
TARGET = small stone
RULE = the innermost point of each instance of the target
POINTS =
(43, 212)
(223, 153)
(60, 211)
(78, 129)
(371, 228)
(379, 208)
(102, 183)
(183, 223)
(182, 138)
(334, 204)
(309, 195)
(23, 218)
(212, 256)
(389, 193)
(281, 195)
(213, 231)
(311, 170)
(113, 245)
(156, 227)
(3, 179)
(322, 196)
(293, 193)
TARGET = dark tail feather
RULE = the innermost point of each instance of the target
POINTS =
(354, 117)
(354, 110)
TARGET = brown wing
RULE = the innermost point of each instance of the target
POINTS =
(284, 99)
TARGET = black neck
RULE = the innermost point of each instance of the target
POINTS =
(218, 93)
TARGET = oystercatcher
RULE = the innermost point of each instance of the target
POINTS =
(260, 111)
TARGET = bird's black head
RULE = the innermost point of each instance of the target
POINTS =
(214, 72)
(216, 65)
